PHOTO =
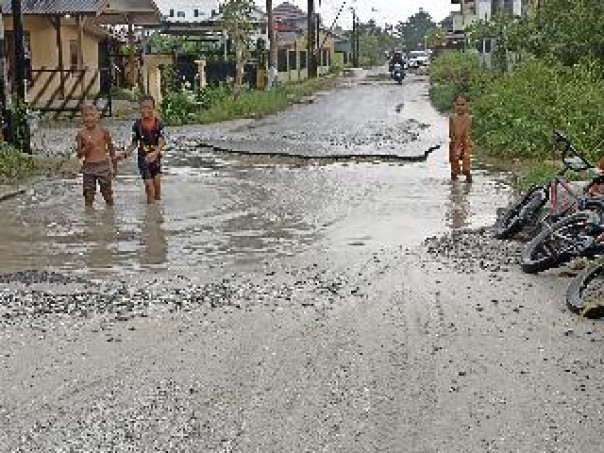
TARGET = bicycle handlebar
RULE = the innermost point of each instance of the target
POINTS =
(559, 136)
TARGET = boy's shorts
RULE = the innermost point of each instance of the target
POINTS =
(94, 172)
(148, 170)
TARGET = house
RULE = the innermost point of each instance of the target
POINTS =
(291, 26)
(68, 59)
(180, 11)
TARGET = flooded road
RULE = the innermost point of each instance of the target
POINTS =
(274, 303)
(225, 212)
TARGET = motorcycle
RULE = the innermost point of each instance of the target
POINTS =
(398, 73)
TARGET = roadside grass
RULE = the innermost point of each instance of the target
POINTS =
(215, 104)
(257, 104)
(524, 173)
(516, 112)
(15, 165)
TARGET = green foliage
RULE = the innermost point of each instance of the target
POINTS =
(183, 106)
(516, 115)
(451, 74)
(569, 30)
(14, 165)
(217, 103)
(161, 43)
(179, 107)
(508, 33)
(412, 32)
(435, 37)
(374, 41)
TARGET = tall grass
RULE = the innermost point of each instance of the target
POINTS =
(14, 165)
(213, 104)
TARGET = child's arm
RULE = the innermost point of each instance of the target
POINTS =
(161, 143)
(110, 145)
(133, 143)
(80, 147)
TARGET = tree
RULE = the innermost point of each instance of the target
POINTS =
(374, 41)
(435, 37)
(414, 30)
(237, 20)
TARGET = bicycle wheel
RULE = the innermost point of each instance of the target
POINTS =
(521, 213)
(557, 243)
(585, 294)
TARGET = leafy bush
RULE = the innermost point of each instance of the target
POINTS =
(14, 165)
(179, 107)
(217, 103)
(517, 112)
(451, 74)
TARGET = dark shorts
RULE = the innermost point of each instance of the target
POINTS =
(148, 170)
(97, 172)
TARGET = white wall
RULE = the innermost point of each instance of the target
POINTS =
(483, 9)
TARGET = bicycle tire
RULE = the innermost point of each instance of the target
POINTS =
(533, 261)
(577, 293)
(519, 214)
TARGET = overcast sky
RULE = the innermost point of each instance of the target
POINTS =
(383, 11)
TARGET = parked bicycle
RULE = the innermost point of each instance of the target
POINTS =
(528, 209)
(579, 234)
(585, 294)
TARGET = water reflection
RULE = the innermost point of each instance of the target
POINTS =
(154, 246)
(100, 232)
(458, 206)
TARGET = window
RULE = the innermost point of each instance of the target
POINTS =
(303, 60)
(171, 13)
(282, 60)
(293, 62)
(181, 14)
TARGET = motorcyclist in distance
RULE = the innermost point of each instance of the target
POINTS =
(397, 57)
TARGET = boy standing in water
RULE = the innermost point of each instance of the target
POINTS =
(95, 146)
(460, 141)
(148, 139)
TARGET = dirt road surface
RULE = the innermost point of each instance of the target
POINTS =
(284, 304)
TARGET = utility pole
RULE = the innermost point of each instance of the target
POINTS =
(358, 40)
(22, 129)
(3, 109)
(273, 55)
(355, 39)
(310, 45)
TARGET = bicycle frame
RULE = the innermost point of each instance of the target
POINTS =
(557, 208)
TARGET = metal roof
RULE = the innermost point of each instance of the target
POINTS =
(51, 7)
(139, 12)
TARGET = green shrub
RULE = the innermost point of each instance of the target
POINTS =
(14, 165)
(451, 74)
(179, 107)
(517, 113)
(217, 103)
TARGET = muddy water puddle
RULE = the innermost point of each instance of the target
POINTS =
(224, 212)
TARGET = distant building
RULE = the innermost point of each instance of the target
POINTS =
(188, 10)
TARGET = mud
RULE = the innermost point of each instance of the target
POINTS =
(286, 305)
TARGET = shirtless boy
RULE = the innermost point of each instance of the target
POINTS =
(460, 140)
(96, 148)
